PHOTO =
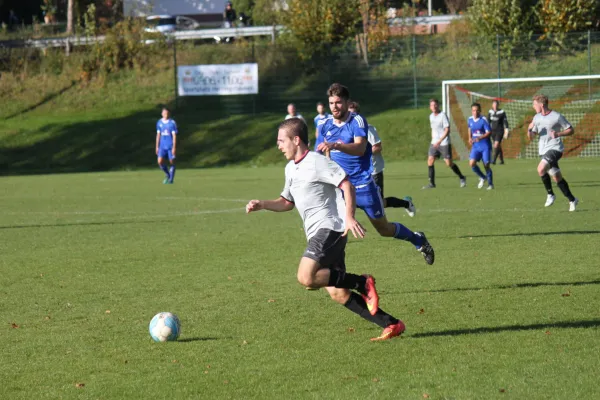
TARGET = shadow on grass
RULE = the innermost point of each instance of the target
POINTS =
(43, 101)
(199, 339)
(514, 286)
(76, 224)
(593, 323)
(530, 234)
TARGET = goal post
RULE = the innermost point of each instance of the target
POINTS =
(576, 97)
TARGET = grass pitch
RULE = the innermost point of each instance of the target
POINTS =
(509, 310)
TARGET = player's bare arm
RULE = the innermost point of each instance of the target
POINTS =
(357, 148)
(279, 205)
(443, 137)
(352, 224)
(174, 144)
(567, 132)
(483, 137)
(157, 141)
(470, 137)
(377, 148)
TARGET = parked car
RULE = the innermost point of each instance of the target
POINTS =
(161, 24)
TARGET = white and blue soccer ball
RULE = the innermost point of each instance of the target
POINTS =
(165, 327)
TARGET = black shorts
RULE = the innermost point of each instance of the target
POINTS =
(328, 248)
(497, 136)
(442, 151)
(552, 157)
(378, 178)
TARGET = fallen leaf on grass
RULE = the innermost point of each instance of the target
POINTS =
(350, 329)
(225, 382)
(244, 342)
(425, 396)
(271, 301)
(14, 326)
(502, 390)
(79, 385)
(229, 278)
(566, 294)
(421, 311)
(375, 380)
(47, 317)
(206, 372)
(548, 333)
(107, 312)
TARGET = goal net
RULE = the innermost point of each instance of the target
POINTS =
(576, 97)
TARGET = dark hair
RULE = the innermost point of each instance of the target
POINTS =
(338, 90)
(436, 101)
(165, 108)
(355, 105)
(320, 103)
(295, 127)
(476, 105)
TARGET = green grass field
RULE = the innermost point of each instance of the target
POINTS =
(509, 310)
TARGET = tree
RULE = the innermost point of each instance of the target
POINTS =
(559, 17)
(315, 25)
(70, 17)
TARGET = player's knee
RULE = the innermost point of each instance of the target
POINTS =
(449, 163)
(487, 166)
(472, 163)
(386, 230)
(340, 295)
(430, 161)
(305, 278)
(541, 169)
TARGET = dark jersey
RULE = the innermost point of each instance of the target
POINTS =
(498, 121)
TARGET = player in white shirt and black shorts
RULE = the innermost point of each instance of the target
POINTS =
(440, 144)
(378, 166)
(551, 127)
(312, 185)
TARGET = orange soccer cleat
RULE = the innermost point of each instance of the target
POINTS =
(371, 298)
(391, 331)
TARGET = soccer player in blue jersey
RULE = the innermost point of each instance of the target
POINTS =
(166, 144)
(481, 150)
(321, 115)
(344, 138)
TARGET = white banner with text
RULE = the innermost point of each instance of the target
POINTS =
(217, 79)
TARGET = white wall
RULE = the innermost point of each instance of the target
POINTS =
(138, 8)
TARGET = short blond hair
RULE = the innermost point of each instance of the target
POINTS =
(541, 99)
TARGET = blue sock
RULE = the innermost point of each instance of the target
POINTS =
(172, 173)
(403, 233)
(165, 170)
(478, 171)
(490, 176)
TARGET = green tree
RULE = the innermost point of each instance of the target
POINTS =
(315, 25)
(559, 17)
(514, 20)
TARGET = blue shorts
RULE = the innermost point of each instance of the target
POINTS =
(368, 199)
(479, 154)
(166, 152)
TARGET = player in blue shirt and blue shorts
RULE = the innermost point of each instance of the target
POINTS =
(481, 150)
(166, 144)
(343, 138)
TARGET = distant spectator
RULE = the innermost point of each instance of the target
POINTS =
(292, 113)
(229, 15)
(321, 116)
(13, 20)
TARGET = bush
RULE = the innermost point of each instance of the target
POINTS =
(559, 17)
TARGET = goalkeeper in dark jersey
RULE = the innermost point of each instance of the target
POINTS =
(499, 124)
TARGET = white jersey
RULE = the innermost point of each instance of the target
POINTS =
(312, 185)
(295, 116)
(438, 123)
(543, 124)
(376, 159)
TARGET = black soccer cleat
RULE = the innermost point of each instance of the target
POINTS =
(426, 249)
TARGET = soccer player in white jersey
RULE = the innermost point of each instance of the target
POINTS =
(440, 144)
(293, 113)
(551, 127)
(379, 165)
(311, 185)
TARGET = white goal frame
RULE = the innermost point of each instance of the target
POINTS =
(447, 84)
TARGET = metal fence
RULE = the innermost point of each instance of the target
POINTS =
(403, 72)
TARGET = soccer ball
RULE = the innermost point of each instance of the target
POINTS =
(164, 327)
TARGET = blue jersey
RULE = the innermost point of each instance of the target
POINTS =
(320, 118)
(166, 129)
(358, 168)
(478, 129)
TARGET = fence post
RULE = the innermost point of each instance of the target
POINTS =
(175, 78)
(254, 96)
(414, 60)
(499, 65)
(589, 63)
